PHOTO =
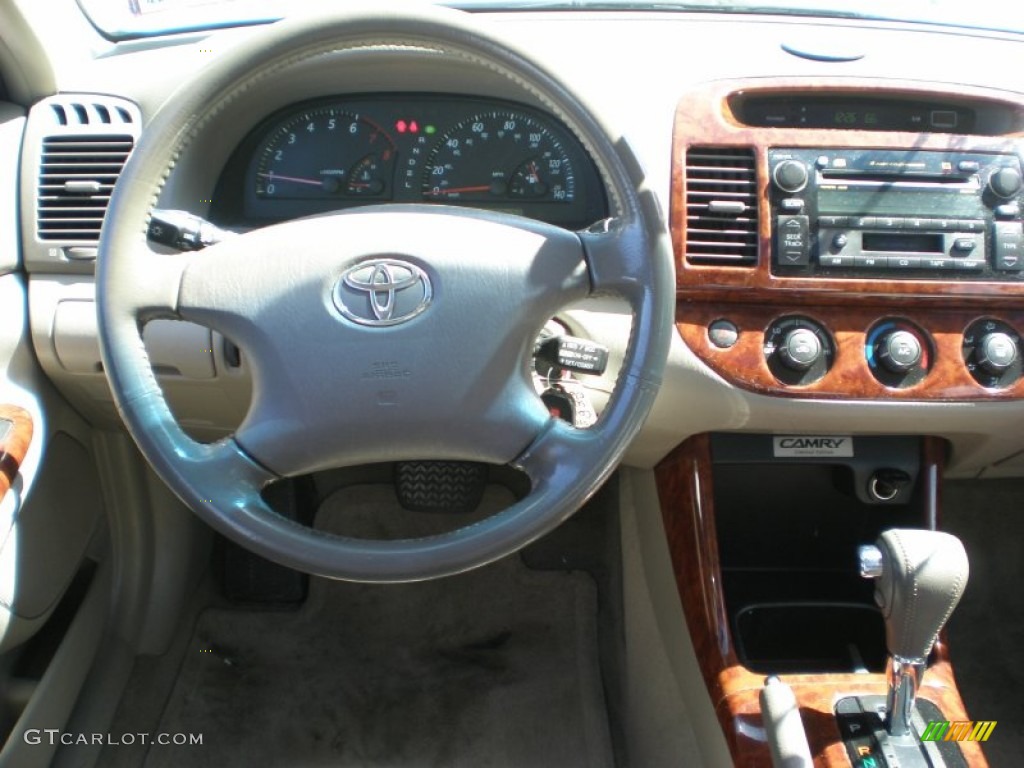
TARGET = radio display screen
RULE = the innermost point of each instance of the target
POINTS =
(843, 199)
(902, 242)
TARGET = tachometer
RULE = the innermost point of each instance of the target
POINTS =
(499, 156)
(325, 153)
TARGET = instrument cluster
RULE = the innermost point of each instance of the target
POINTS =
(338, 153)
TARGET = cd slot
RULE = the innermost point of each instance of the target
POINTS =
(893, 177)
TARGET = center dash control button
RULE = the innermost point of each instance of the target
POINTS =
(904, 262)
(1009, 246)
(871, 262)
(792, 239)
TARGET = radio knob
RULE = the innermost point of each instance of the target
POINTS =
(996, 353)
(1005, 182)
(800, 349)
(790, 176)
(900, 351)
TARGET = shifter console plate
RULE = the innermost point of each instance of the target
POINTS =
(861, 722)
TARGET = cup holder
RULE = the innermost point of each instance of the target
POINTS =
(810, 638)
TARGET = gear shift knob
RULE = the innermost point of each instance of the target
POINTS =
(921, 576)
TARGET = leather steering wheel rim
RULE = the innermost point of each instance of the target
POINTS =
(630, 257)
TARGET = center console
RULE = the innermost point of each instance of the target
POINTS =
(847, 240)
(763, 533)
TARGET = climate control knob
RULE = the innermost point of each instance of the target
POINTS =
(991, 352)
(996, 353)
(790, 176)
(800, 349)
(900, 351)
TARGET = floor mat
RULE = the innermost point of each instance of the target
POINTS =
(498, 667)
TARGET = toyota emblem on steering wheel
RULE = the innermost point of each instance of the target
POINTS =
(382, 292)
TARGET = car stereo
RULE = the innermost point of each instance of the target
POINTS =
(909, 214)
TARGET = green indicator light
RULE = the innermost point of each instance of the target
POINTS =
(430, 129)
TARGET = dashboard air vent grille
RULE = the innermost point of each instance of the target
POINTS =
(721, 206)
(76, 177)
(76, 112)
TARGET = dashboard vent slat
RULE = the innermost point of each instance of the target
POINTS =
(76, 176)
(713, 234)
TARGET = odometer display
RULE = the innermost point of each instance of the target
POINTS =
(499, 156)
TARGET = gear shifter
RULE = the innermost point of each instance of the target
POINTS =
(920, 577)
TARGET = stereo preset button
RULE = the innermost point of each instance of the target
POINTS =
(889, 222)
(916, 223)
(793, 241)
(1009, 246)
(971, 225)
(865, 222)
(834, 221)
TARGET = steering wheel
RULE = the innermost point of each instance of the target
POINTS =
(382, 333)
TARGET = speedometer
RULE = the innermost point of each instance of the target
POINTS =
(325, 153)
(499, 156)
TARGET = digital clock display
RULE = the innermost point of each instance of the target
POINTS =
(856, 113)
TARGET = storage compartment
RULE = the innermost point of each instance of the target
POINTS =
(810, 637)
(790, 514)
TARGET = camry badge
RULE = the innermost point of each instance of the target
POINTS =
(382, 292)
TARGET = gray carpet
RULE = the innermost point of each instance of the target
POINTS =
(986, 633)
(498, 667)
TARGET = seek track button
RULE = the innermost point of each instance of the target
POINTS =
(792, 240)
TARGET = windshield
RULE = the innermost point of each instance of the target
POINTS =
(123, 19)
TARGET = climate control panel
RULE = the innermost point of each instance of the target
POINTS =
(861, 352)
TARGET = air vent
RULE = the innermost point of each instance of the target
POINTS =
(80, 112)
(76, 177)
(721, 206)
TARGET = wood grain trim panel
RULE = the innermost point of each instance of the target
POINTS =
(703, 118)
(14, 445)
(684, 480)
(850, 377)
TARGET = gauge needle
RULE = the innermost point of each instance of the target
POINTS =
(457, 190)
(277, 177)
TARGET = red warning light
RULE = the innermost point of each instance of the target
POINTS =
(414, 127)
(401, 126)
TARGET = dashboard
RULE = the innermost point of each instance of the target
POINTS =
(346, 151)
(679, 83)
